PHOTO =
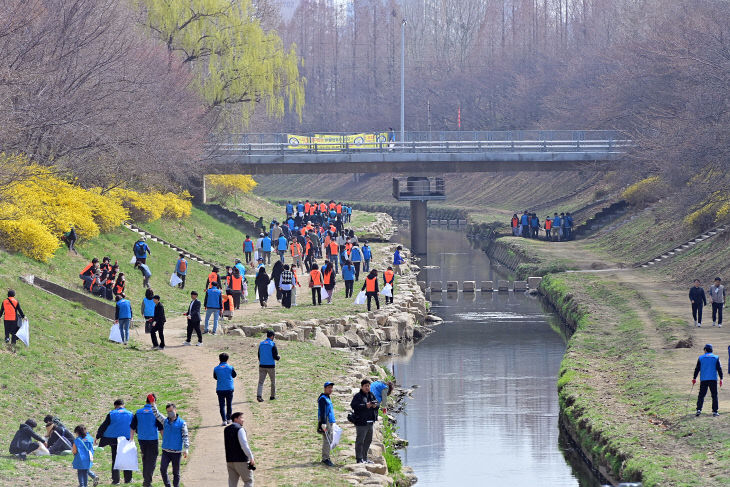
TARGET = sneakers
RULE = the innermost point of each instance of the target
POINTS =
(199, 344)
(699, 411)
(719, 325)
(213, 333)
(224, 423)
(186, 344)
(699, 325)
(205, 331)
(328, 462)
(155, 348)
(259, 399)
(716, 414)
(229, 421)
(368, 461)
(359, 461)
(272, 398)
(96, 481)
(714, 324)
(695, 323)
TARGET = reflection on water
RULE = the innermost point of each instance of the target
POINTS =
(486, 410)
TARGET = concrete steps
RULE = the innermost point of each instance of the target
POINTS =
(681, 248)
(188, 255)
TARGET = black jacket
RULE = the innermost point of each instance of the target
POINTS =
(23, 438)
(697, 294)
(59, 432)
(262, 284)
(159, 318)
(194, 314)
(363, 414)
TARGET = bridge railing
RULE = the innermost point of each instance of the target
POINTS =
(427, 146)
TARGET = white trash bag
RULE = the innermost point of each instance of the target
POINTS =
(336, 435)
(325, 293)
(175, 280)
(115, 334)
(256, 256)
(360, 298)
(126, 455)
(387, 291)
(271, 289)
(23, 333)
(133, 261)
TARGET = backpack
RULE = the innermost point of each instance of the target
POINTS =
(183, 266)
(138, 247)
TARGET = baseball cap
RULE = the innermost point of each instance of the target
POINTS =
(326, 384)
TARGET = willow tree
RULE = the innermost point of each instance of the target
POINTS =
(236, 62)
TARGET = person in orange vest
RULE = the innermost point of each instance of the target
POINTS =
(322, 207)
(87, 274)
(371, 288)
(308, 255)
(307, 205)
(213, 277)
(389, 278)
(328, 279)
(312, 210)
(332, 205)
(295, 249)
(120, 285)
(228, 305)
(338, 208)
(315, 284)
(333, 254)
(236, 287)
(548, 227)
(515, 226)
(13, 314)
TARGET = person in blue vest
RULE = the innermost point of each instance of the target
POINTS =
(349, 213)
(708, 367)
(248, 249)
(535, 224)
(213, 303)
(268, 355)
(325, 420)
(117, 423)
(367, 256)
(557, 227)
(141, 250)
(266, 248)
(525, 225)
(356, 259)
(83, 452)
(148, 308)
(282, 245)
(289, 209)
(147, 427)
(381, 390)
(175, 444)
(348, 275)
(569, 225)
(224, 374)
(123, 316)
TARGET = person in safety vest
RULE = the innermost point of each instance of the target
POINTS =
(268, 355)
(367, 255)
(147, 427)
(117, 423)
(88, 272)
(236, 287)
(371, 288)
(228, 306)
(213, 277)
(325, 420)
(265, 249)
(328, 279)
(315, 283)
(515, 226)
(282, 243)
(708, 367)
(175, 442)
(295, 248)
(213, 304)
(348, 275)
(548, 227)
(224, 374)
(13, 314)
(248, 249)
(356, 259)
(389, 278)
(181, 269)
(123, 317)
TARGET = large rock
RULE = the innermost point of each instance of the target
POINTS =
(353, 340)
(338, 341)
(321, 339)
(376, 468)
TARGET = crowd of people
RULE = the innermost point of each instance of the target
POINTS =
(557, 228)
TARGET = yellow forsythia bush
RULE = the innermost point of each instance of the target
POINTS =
(145, 207)
(28, 237)
(645, 191)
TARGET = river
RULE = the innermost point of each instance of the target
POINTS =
(485, 410)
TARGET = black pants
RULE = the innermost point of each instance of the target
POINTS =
(547, 234)
(115, 473)
(316, 296)
(389, 299)
(149, 449)
(11, 328)
(225, 400)
(167, 459)
(373, 296)
(357, 270)
(236, 299)
(194, 326)
(697, 312)
(263, 297)
(286, 298)
(712, 384)
(717, 312)
(158, 329)
(348, 288)
(247, 257)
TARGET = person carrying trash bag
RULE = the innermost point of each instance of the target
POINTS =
(117, 423)
(10, 308)
(708, 367)
(325, 421)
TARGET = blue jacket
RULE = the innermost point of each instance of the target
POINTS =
(355, 255)
(282, 243)
(146, 423)
(397, 258)
(149, 307)
(120, 419)
(289, 209)
(377, 389)
(523, 220)
(266, 244)
(85, 449)
(241, 268)
(708, 366)
(535, 222)
(325, 410)
(172, 434)
(556, 222)
(266, 353)
(224, 374)
(349, 210)
(348, 273)
(141, 250)
(124, 310)
(366, 252)
(300, 207)
(213, 298)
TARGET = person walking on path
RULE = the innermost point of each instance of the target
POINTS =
(515, 226)
(348, 275)
(213, 307)
(356, 259)
(193, 315)
(286, 284)
(371, 288)
(276, 271)
(708, 367)
(236, 286)
(147, 427)
(717, 296)
(224, 374)
(239, 457)
(295, 248)
(22, 443)
(83, 452)
(261, 285)
(282, 244)
(266, 248)
(367, 256)
(325, 420)
(117, 423)
(181, 269)
(315, 284)
(365, 407)
(13, 314)
(698, 300)
(328, 280)
(268, 355)
(389, 278)
(175, 444)
(214, 277)
(123, 317)
(158, 325)
(248, 249)
(398, 260)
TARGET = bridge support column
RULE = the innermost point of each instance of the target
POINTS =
(419, 227)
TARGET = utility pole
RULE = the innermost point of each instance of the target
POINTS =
(403, 81)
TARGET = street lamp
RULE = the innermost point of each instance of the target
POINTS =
(402, 81)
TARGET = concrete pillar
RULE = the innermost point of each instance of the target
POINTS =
(419, 228)
(469, 286)
(452, 286)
